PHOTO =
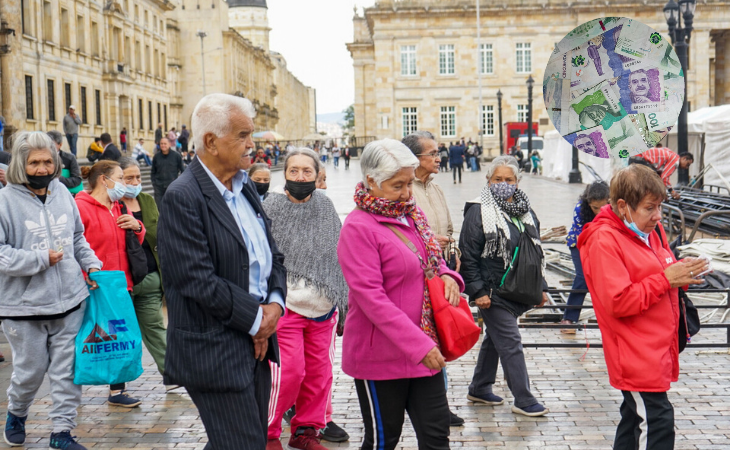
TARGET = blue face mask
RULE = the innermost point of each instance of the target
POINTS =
(632, 226)
(117, 192)
(133, 191)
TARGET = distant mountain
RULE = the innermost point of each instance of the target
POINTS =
(337, 117)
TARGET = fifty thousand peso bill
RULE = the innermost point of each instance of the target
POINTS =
(613, 87)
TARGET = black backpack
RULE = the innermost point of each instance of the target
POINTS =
(522, 282)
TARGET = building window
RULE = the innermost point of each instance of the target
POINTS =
(448, 121)
(140, 110)
(65, 27)
(51, 101)
(446, 59)
(94, 39)
(27, 20)
(138, 56)
(148, 60)
(488, 120)
(97, 106)
(165, 111)
(410, 120)
(163, 63)
(149, 115)
(81, 34)
(486, 59)
(29, 98)
(159, 115)
(408, 60)
(522, 113)
(47, 22)
(84, 110)
(67, 95)
(524, 57)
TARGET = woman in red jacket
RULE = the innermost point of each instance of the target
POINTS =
(633, 279)
(105, 230)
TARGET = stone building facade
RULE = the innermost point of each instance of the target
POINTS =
(416, 61)
(134, 64)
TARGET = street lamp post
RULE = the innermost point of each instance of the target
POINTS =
(202, 35)
(480, 113)
(530, 83)
(675, 13)
(499, 107)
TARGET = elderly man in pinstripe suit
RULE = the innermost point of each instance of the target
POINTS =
(224, 279)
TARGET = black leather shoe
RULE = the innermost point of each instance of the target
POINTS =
(456, 421)
(334, 433)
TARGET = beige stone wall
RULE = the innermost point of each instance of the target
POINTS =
(90, 47)
(382, 92)
(252, 23)
(292, 102)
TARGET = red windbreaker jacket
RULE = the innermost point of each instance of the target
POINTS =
(104, 235)
(636, 308)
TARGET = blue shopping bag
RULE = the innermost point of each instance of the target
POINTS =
(109, 343)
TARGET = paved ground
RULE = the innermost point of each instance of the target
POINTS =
(584, 408)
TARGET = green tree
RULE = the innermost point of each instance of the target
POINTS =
(349, 118)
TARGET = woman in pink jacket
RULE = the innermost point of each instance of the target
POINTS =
(390, 344)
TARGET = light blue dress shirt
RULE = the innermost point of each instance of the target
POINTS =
(253, 231)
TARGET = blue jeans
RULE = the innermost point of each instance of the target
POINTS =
(337, 161)
(1, 143)
(72, 139)
(146, 159)
(473, 161)
(579, 283)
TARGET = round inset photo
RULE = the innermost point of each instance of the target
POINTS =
(613, 87)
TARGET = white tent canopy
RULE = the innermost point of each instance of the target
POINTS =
(558, 160)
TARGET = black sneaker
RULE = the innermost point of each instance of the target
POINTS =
(14, 430)
(64, 441)
(289, 414)
(123, 399)
(333, 433)
(456, 421)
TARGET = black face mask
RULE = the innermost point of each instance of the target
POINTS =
(300, 189)
(262, 188)
(40, 181)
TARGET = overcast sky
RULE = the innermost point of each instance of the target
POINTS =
(312, 39)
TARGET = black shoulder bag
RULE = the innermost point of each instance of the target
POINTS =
(135, 254)
(689, 317)
(522, 282)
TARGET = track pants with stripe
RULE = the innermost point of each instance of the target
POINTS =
(305, 376)
(384, 403)
(647, 422)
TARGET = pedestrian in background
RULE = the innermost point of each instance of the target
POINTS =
(336, 155)
(261, 157)
(431, 199)
(44, 292)
(70, 172)
(95, 150)
(123, 139)
(444, 156)
(321, 182)
(172, 139)
(184, 139)
(456, 159)
(147, 295)
(589, 205)
(535, 163)
(260, 174)
(390, 345)
(71, 122)
(489, 236)
(139, 152)
(111, 152)
(634, 279)
(167, 165)
(316, 298)
(2, 134)
(105, 228)
(158, 136)
(224, 279)
(346, 156)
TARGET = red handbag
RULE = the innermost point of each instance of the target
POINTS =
(455, 326)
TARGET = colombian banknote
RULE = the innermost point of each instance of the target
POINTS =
(592, 141)
(596, 108)
(640, 42)
(642, 90)
(625, 137)
(586, 31)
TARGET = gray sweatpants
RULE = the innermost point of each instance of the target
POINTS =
(40, 347)
(502, 340)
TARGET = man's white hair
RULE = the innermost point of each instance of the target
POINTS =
(382, 159)
(212, 115)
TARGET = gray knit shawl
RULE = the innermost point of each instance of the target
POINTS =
(307, 235)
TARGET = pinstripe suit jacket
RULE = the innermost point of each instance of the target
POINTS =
(204, 264)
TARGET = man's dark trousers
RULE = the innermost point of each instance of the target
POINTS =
(223, 412)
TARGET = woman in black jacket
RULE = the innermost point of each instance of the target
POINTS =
(489, 235)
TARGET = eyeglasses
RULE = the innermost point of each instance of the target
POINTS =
(434, 155)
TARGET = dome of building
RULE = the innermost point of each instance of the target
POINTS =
(247, 3)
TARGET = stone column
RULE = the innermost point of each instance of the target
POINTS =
(724, 95)
(720, 64)
(12, 82)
